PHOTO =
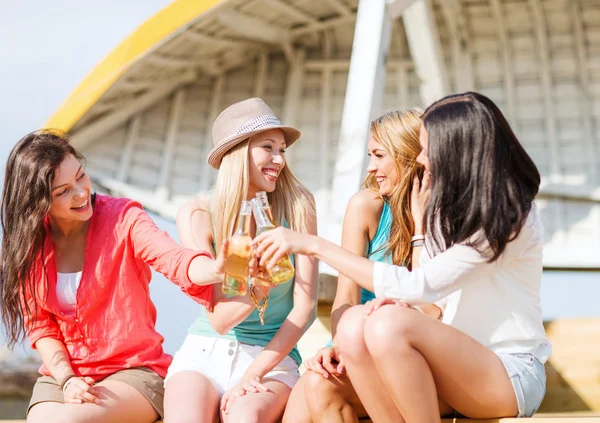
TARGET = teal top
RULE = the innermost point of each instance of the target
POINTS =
(250, 331)
(378, 248)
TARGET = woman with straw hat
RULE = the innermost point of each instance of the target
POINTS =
(231, 365)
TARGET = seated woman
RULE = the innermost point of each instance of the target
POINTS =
(230, 365)
(75, 275)
(484, 247)
(378, 225)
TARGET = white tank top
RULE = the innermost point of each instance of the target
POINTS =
(66, 291)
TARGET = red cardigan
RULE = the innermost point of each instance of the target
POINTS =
(113, 327)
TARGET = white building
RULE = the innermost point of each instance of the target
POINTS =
(143, 116)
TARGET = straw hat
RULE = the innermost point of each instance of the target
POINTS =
(239, 122)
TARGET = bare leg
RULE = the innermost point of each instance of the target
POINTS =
(296, 410)
(121, 403)
(361, 369)
(190, 397)
(261, 407)
(419, 358)
(333, 399)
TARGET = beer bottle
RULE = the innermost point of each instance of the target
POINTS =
(283, 270)
(239, 254)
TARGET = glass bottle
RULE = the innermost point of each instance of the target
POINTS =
(239, 254)
(283, 270)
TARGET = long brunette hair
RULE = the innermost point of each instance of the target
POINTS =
(26, 200)
(483, 180)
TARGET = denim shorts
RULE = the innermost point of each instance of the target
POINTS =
(528, 377)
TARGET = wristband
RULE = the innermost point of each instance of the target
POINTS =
(65, 382)
(418, 309)
(419, 243)
(418, 238)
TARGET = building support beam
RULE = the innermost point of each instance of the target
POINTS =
(363, 101)
(163, 188)
(584, 92)
(291, 11)
(322, 25)
(324, 130)
(293, 93)
(132, 135)
(507, 61)
(104, 125)
(426, 50)
(461, 53)
(253, 28)
(261, 73)
(541, 31)
(339, 7)
(216, 100)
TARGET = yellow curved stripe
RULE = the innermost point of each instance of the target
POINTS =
(151, 32)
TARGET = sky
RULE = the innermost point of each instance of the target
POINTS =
(48, 47)
(46, 51)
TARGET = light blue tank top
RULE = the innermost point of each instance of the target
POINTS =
(378, 246)
(250, 331)
(377, 250)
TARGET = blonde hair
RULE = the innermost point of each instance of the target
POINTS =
(398, 133)
(290, 201)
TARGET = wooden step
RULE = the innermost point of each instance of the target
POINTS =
(539, 418)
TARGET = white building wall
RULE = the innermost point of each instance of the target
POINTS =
(539, 60)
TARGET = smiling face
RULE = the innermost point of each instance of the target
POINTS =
(383, 167)
(423, 157)
(267, 159)
(71, 192)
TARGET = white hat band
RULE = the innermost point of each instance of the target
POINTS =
(257, 123)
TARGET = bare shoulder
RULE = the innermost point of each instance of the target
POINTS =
(367, 202)
(197, 204)
(364, 211)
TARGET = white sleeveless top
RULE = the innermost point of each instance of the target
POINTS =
(66, 291)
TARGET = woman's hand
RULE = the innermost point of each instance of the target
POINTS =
(80, 390)
(326, 362)
(372, 305)
(272, 246)
(221, 262)
(247, 384)
(260, 276)
(419, 198)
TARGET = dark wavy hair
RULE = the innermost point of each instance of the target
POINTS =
(26, 201)
(483, 180)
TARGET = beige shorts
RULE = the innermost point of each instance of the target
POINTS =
(144, 380)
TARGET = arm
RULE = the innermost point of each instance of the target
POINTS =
(363, 211)
(194, 225)
(183, 266)
(44, 335)
(298, 320)
(76, 389)
(440, 276)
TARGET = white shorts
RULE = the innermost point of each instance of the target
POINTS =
(224, 362)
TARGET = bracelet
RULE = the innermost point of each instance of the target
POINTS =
(418, 308)
(261, 306)
(419, 243)
(68, 379)
(418, 238)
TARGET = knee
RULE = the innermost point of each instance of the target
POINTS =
(246, 417)
(390, 327)
(350, 332)
(318, 391)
